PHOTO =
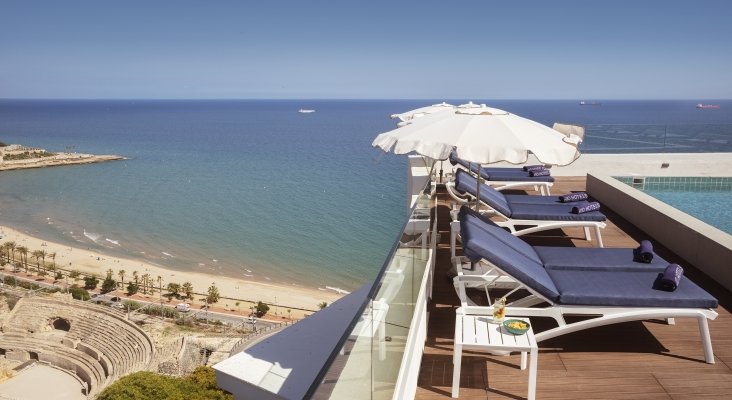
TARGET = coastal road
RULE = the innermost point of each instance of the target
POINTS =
(229, 319)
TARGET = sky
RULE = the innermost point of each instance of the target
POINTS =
(277, 49)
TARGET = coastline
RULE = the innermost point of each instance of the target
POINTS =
(57, 160)
(301, 301)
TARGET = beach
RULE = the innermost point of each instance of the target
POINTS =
(301, 301)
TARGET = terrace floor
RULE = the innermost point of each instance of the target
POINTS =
(633, 360)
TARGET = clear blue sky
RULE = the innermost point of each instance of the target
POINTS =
(366, 49)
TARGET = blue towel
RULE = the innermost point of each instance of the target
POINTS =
(585, 208)
(568, 198)
(644, 252)
(453, 159)
(671, 277)
(529, 168)
(541, 172)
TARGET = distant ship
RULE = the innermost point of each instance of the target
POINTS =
(700, 105)
(590, 103)
(305, 111)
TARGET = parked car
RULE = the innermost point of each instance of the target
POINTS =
(183, 307)
(117, 305)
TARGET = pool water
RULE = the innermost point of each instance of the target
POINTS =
(708, 199)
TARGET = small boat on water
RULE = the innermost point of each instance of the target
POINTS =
(305, 111)
(700, 105)
(589, 103)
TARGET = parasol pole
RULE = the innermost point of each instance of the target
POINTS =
(477, 200)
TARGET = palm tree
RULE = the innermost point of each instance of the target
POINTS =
(121, 274)
(134, 275)
(188, 289)
(23, 256)
(42, 254)
(145, 281)
(37, 255)
(12, 248)
(52, 256)
(6, 250)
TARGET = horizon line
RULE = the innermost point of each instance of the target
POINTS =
(346, 99)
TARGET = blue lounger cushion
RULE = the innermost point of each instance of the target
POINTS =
(483, 239)
(528, 199)
(466, 183)
(500, 173)
(512, 174)
(626, 289)
(595, 259)
(610, 286)
(545, 208)
(552, 212)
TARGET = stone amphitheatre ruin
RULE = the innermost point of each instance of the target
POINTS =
(95, 344)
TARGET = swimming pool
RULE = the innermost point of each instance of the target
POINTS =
(708, 199)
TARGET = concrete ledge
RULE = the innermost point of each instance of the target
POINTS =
(704, 246)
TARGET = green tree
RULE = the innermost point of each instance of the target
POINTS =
(121, 274)
(23, 256)
(90, 282)
(213, 294)
(37, 255)
(74, 274)
(132, 288)
(109, 284)
(262, 309)
(322, 305)
(188, 289)
(11, 247)
(173, 289)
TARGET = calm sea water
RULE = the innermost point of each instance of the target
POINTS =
(250, 189)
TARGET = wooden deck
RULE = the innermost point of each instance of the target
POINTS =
(634, 360)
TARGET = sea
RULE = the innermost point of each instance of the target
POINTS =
(252, 189)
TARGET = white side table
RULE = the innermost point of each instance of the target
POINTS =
(479, 332)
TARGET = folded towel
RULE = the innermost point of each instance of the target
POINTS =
(529, 168)
(644, 252)
(568, 198)
(453, 159)
(587, 207)
(671, 277)
(541, 172)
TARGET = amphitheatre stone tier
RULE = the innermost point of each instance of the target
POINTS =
(97, 344)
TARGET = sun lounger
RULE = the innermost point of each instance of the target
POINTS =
(536, 213)
(586, 282)
(502, 178)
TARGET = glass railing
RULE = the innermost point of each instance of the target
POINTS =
(650, 138)
(389, 332)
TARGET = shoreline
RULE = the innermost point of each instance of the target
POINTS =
(301, 301)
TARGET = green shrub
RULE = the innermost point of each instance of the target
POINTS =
(79, 293)
(200, 385)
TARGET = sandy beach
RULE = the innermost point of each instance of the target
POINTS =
(57, 160)
(280, 298)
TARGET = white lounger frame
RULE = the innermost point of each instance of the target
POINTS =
(603, 315)
(511, 224)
